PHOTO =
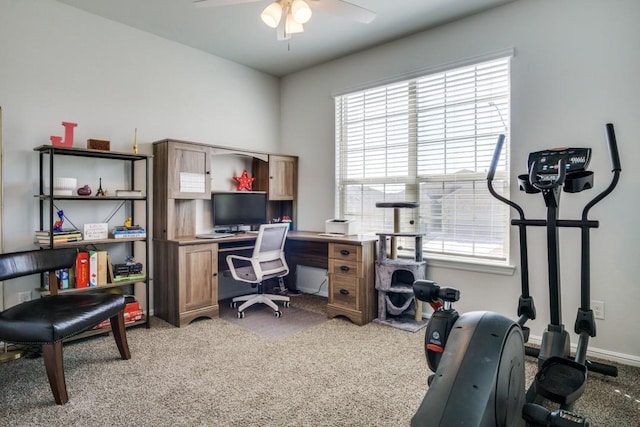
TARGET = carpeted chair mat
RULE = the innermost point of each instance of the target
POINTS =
(260, 319)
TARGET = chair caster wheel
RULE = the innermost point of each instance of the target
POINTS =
(233, 304)
(287, 304)
(277, 313)
(241, 315)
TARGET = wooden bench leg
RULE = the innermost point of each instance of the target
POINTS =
(54, 365)
(118, 329)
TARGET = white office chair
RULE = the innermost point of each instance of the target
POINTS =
(267, 262)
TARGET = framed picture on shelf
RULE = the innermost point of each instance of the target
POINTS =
(96, 231)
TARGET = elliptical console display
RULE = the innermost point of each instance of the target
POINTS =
(556, 167)
(546, 161)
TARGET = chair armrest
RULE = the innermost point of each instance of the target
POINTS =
(254, 266)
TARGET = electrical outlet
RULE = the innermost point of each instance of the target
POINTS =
(24, 296)
(598, 309)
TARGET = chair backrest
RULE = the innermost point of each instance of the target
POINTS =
(269, 248)
(18, 264)
(26, 263)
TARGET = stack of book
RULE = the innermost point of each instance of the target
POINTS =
(43, 238)
(133, 231)
(91, 268)
(132, 313)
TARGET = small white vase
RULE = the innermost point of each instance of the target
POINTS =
(64, 186)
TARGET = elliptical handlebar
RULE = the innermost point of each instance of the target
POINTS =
(616, 168)
(526, 306)
(613, 148)
(491, 174)
(496, 158)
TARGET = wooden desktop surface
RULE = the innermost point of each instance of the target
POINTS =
(311, 236)
(308, 248)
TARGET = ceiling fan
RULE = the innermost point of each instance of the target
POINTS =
(288, 16)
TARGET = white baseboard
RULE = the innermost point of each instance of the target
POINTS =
(612, 356)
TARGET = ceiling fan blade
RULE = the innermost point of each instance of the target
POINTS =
(343, 8)
(216, 3)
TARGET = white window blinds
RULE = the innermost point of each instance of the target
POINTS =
(428, 139)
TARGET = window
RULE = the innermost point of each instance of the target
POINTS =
(428, 139)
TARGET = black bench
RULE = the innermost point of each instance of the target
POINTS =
(50, 320)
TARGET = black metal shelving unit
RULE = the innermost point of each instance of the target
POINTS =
(48, 155)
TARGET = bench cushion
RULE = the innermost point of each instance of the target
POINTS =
(54, 318)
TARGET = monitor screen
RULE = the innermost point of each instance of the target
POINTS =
(235, 209)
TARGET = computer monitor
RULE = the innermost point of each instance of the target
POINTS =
(232, 210)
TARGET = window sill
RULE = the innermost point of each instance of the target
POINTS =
(466, 265)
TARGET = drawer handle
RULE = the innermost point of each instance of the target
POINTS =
(344, 292)
(344, 252)
(344, 268)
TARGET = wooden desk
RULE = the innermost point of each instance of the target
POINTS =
(186, 285)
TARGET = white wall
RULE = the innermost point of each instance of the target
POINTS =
(58, 63)
(576, 67)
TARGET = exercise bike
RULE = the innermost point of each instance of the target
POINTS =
(478, 358)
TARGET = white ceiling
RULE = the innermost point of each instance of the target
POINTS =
(236, 32)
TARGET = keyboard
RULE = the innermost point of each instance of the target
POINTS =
(213, 235)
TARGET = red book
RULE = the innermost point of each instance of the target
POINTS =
(132, 313)
(82, 270)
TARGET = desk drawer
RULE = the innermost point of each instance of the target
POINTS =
(345, 291)
(347, 267)
(345, 252)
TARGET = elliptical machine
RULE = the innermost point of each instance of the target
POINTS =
(478, 357)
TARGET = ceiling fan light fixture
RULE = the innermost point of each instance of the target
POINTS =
(271, 14)
(300, 11)
(291, 26)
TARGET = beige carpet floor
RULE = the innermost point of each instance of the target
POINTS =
(215, 373)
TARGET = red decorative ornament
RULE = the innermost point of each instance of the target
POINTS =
(68, 136)
(244, 181)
